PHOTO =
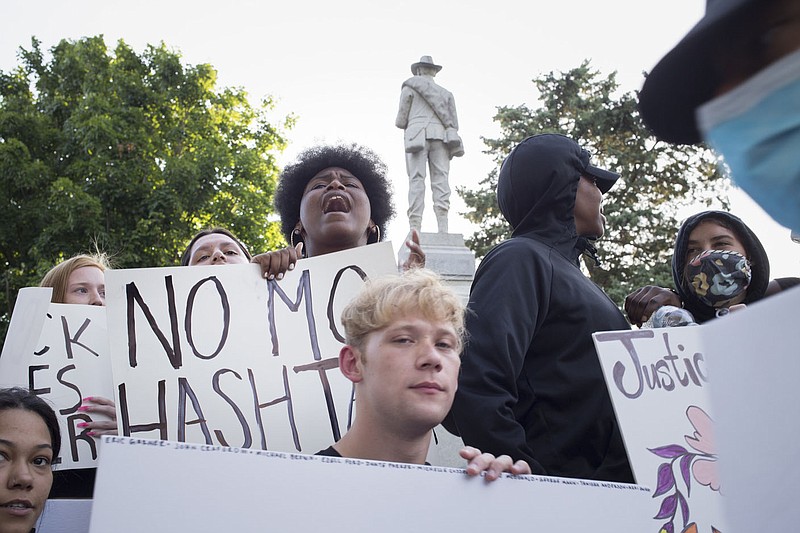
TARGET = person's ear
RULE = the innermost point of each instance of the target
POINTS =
(297, 235)
(350, 363)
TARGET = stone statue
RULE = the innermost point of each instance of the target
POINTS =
(428, 115)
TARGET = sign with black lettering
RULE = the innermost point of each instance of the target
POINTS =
(220, 356)
(658, 381)
(67, 362)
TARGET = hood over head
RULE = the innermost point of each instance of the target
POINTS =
(755, 254)
(537, 185)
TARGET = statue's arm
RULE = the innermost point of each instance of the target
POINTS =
(406, 95)
(451, 102)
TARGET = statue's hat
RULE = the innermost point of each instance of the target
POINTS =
(425, 61)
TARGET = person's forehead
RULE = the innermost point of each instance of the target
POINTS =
(712, 227)
(89, 272)
(330, 172)
(213, 239)
(416, 321)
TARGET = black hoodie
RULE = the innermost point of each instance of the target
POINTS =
(531, 385)
(755, 254)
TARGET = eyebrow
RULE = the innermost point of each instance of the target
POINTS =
(12, 444)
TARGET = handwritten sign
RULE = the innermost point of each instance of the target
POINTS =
(68, 361)
(222, 357)
(659, 384)
(255, 490)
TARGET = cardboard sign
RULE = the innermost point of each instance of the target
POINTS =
(213, 488)
(222, 357)
(755, 361)
(659, 385)
(68, 361)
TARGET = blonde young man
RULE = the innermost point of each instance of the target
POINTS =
(404, 337)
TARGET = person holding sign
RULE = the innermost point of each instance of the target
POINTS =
(30, 440)
(718, 265)
(81, 280)
(332, 198)
(404, 337)
(531, 384)
(215, 246)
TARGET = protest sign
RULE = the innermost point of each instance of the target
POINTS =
(659, 384)
(65, 516)
(254, 490)
(755, 360)
(218, 355)
(68, 361)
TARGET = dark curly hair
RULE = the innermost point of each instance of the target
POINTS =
(27, 400)
(362, 162)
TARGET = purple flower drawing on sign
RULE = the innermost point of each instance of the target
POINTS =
(699, 463)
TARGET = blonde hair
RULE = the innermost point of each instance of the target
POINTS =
(58, 276)
(418, 292)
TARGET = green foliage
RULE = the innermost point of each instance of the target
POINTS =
(132, 153)
(657, 180)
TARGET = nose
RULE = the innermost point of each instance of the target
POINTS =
(429, 356)
(218, 257)
(335, 183)
(20, 476)
(96, 298)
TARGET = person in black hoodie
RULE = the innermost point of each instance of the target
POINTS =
(531, 385)
(707, 235)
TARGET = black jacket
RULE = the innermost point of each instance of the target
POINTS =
(531, 384)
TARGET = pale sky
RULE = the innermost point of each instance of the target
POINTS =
(338, 66)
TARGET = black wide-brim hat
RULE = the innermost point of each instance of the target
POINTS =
(685, 78)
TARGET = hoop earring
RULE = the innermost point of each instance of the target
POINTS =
(376, 233)
(291, 237)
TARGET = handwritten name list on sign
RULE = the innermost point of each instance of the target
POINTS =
(67, 361)
(218, 355)
(658, 381)
(256, 490)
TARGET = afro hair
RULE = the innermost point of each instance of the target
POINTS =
(362, 162)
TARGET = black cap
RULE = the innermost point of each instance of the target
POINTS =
(685, 78)
(605, 178)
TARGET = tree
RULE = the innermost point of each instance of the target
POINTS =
(130, 153)
(657, 179)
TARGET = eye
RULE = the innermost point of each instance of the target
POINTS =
(41, 461)
(81, 290)
(445, 345)
(317, 186)
(402, 340)
(231, 252)
(353, 184)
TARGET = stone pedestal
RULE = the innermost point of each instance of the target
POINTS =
(447, 255)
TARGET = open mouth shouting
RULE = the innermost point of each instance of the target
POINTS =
(335, 202)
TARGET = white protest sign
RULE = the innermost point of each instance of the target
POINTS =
(212, 488)
(69, 361)
(755, 360)
(65, 516)
(659, 385)
(218, 355)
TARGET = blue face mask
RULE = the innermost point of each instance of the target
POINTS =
(756, 128)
